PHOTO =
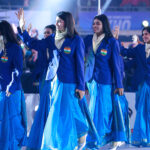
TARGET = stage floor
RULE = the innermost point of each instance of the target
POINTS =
(124, 147)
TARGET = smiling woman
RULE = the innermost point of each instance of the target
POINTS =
(104, 50)
(66, 127)
(141, 53)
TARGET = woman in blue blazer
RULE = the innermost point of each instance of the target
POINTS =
(103, 76)
(66, 127)
(141, 53)
(12, 103)
(44, 55)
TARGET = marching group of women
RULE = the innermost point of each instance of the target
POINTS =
(64, 120)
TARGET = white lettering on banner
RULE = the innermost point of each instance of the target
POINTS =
(126, 25)
(124, 22)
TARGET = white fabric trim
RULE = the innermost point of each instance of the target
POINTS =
(12, 80)
(147, 50)
(1, 43)
(60, 38)
(53, 66)
(96, 41)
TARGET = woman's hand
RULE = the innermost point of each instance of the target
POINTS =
(29, 28)
(116, 32)
(81, 93)
(8, 93)
(119, 91)
(20, 16)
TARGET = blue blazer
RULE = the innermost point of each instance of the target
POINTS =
(11, 68)
(142, 71)
(122, 67)
(71, 62)
(71, 65)
(107, 66)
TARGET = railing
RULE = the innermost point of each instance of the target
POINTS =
(126, 33)
(125, 8)
(83, 32)
(10, 7)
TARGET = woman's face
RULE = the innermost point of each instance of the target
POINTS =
(146, 36)
(97, 27)
(60, 24)
(47, 32)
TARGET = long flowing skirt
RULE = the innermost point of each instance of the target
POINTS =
(66, 122)
(36, 133)
(13, 121)
(120, 125)
(101, 110)
(92, 129)
(141, 131)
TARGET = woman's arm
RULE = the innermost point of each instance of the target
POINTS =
(80, 67)
(116, 66)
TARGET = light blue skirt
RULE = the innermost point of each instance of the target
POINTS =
(36, 133)
(13, 121)
(101, 110)
(120, 125)
(141, 131)
(92, 132)
(66, 122)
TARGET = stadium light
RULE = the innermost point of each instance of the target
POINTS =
(145, 23)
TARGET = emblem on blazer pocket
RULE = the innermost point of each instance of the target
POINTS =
(67, 50)
(103, 52)
(4, 59)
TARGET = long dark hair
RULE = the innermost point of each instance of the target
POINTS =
(6, 30)
(147, 29)
(106, 26)
(69, 23)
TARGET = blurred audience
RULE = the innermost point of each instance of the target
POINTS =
(135, 3)
(116, 3)
(83, 3)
